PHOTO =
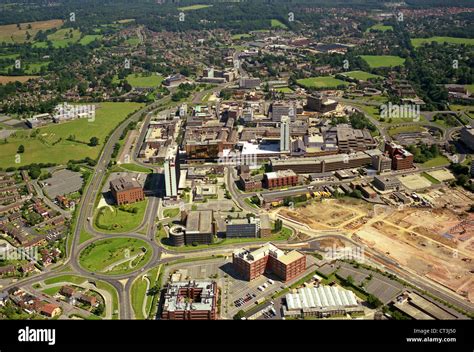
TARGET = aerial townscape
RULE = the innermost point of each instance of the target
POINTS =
(236, 160)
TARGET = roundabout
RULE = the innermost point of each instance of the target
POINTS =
(115, 256)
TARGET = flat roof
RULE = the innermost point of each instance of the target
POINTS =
(199, 221)
(280, 173)
(321, 297)
(319, 159)
(290, 257)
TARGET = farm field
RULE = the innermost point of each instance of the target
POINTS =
(452, 40)
(112, 219)
(50, 144)
(12, 34)
(322, 82)
(115, 255)
(376, 61)
(361, 75)
(8, 79)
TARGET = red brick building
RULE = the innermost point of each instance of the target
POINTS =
(126, 190)
(268, 258)
(250, 183)
(190, 300)
(401, 158)
(280, 179)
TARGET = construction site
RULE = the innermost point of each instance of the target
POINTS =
(435, 243)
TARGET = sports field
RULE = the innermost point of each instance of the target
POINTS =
(144, 81)
(416, 42)
(376, 61)
(322, 82)
(361, 75)
(380, 27)
(50, 144)
(115, 255)
(11, 33)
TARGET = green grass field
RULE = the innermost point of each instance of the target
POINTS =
(8, 56)
(416, 42)
(322, 82)
(468, 111)
(404, 129)
(361, 75)
(84, 236)
(116, 220)
(113, 292)
(138, 295)
(51, 291)
(438, 161)
(87, 39)
(65, 278)
(278, 24)
(170, 213)
(376, 61)
(61, 38)
(380, 27)
(193, 7)
(135, 168)
(430, 178)
(133, 41)
(284, 90)
(241, 36)
(137, 80)
(114, 255)
(30, 68)
(40, 148)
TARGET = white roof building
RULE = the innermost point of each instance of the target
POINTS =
(321, 301)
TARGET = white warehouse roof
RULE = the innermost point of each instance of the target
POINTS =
(320, 297)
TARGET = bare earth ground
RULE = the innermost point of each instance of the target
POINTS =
(22, 79)
(328, 214)
(435, 243)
